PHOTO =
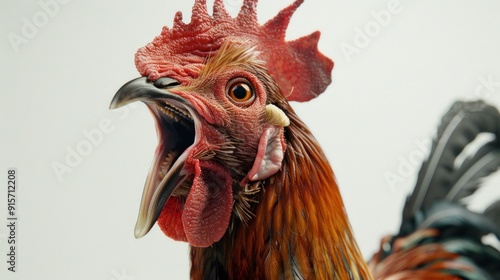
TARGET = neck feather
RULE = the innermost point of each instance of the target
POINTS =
(300, 229)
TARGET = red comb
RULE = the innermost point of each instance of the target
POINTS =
(301, 71)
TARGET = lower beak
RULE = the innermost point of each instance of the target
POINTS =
(155, 192)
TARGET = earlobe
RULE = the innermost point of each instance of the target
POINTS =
(275, 116)
(270, 154)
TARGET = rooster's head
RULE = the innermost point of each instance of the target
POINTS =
(218, 89)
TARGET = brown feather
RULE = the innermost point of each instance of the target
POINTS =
(426, 261)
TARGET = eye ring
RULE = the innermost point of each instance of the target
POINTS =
(240, 91)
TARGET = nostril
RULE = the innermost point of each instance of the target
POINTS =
(166, 82)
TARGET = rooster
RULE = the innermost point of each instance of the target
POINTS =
(240, 177)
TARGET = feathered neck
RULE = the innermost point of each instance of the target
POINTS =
(300, 229)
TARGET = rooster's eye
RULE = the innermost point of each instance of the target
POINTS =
(240, 92)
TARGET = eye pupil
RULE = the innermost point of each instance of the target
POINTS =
(240, 91)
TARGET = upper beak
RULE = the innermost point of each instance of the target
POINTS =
(142, 89)
(155, 192)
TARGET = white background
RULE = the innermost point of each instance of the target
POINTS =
(59, 81)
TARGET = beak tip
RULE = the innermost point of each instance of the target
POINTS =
(129, 92)
(139, 234)
(114, 104)
(141, 230)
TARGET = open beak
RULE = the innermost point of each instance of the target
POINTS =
(176, 123)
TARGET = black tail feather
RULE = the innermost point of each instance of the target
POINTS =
(467, 179)
(436, 214)
(493, 212)
(455, 219)
(439, 178)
